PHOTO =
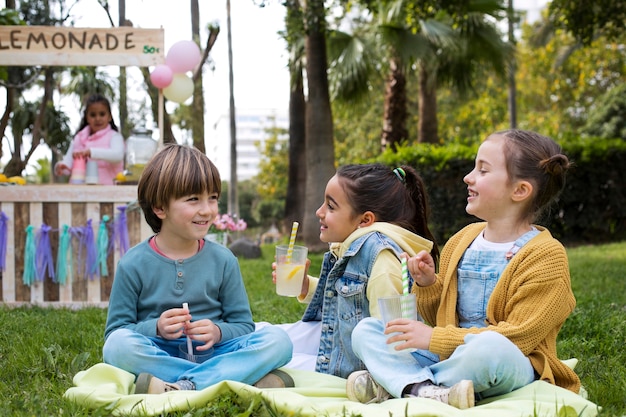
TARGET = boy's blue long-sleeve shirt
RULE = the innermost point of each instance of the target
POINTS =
(146, 284)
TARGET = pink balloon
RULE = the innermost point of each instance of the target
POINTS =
(161, 76)
(183, 56)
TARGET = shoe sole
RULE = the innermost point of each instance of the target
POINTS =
(464, 397)
(142, 385)
(276, 379)
(381, 393)
(350, 386)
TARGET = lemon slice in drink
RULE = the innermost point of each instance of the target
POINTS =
(295, 271)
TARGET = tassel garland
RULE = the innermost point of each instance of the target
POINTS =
(29, 256)
(62, 265)
(38, 257)
(4, 238)
(103, 246)
(91, 261)
(43, 254)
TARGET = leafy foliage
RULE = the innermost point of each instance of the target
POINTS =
(585, 20)
(583, 213)
(608, 117)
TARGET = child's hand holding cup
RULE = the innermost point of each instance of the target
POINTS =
(291, 265)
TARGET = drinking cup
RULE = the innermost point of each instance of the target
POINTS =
(290, 269)
(396, 307)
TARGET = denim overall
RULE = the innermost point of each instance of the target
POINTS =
(478, 274)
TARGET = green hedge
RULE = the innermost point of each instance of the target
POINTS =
(591, 209)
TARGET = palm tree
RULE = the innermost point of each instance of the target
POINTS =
(296, 179)
(443, 46)
(320, 153)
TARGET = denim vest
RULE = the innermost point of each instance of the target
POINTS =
(340, 302)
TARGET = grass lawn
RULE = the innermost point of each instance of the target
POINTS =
(41, 349)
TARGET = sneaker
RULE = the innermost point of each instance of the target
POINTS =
(362, 388)
(276, 379)
(460, 395)
(150, 384)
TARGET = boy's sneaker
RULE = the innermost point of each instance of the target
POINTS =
(150, 384)
(362, 388)
(460, 395)
(276, 379)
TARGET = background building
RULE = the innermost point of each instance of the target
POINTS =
(254, 127)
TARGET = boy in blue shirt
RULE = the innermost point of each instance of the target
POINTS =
(146, 324)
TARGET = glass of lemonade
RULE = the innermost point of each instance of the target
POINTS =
(290, 269)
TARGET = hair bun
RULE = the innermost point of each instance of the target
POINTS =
(556, 165)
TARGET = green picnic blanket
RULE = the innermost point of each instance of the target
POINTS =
(315, 394)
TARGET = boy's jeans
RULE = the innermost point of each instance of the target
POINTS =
(246, 359)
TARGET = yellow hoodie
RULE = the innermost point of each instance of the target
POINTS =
(386, 276)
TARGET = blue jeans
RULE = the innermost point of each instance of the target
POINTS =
(244, 359)
(490, 360)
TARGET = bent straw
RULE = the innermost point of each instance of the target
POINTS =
(292, 241)
(189, 344)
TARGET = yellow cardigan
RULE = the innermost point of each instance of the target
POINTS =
(529, 304)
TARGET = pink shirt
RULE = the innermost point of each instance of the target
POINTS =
(100, 141)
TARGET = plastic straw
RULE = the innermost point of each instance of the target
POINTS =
(405, 301)
(405, 277)
(292, 241)
(189, 344)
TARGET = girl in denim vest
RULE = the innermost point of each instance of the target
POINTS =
(98, 139)
(370, 215)
(493, 312)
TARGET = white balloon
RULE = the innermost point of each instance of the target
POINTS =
(180, 89)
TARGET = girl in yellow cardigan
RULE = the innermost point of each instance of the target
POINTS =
(493, 312)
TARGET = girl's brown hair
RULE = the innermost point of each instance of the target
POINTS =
(396, 196)
(537, 159)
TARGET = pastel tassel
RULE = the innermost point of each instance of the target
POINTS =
(121, 231)
(91, 258)
(4, 236)
(43, 254)
(62, 266)
(29, 257)
(103, 246)
(77, 232)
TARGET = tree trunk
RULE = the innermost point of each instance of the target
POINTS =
(16, 164)
(124, 127)
(197, 105)
(512, 99)
(296, 182)
(233, 199)
(427, 125)
(320, 153)
(395, 114)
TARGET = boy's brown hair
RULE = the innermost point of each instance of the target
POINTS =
(173, 172)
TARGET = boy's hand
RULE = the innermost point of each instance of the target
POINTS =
(172, 323)
(204, 331)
